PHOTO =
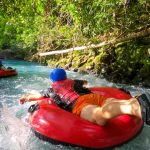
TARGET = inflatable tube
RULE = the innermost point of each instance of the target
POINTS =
(56, 124)
(7, 73)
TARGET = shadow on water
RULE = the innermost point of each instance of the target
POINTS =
(15, 135)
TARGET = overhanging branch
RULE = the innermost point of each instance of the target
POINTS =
(142, 33)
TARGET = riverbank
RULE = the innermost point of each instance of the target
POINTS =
(12, 54)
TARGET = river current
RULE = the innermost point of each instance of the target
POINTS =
(16, 135)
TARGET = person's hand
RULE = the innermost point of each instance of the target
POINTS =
(24, 99)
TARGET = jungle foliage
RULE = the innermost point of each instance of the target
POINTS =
(43, 25)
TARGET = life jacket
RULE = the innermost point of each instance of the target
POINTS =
(65, 90)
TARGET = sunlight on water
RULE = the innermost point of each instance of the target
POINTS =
(16, 135)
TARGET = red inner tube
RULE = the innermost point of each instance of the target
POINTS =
(6, 73)
(60, 125)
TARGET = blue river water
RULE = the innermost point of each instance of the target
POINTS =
(16, 135)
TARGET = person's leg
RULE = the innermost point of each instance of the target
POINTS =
(89, 113)
(110, 100)
(109, 110)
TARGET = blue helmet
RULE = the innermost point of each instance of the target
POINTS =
(58, 74)
(0, 62)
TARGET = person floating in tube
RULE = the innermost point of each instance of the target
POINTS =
(74, 97)
(2, 67)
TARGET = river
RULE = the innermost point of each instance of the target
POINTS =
(16, 135)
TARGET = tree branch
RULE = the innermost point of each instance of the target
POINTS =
(142, 33)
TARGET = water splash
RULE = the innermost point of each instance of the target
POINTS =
(14, 135)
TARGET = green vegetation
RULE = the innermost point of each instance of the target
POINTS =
(28, 27)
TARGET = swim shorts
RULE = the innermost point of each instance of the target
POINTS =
(88, 99)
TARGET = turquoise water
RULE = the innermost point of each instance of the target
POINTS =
(16, 135)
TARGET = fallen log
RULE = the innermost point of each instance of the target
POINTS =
(143, 33)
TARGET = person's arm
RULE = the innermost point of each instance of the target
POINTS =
(55, 99)
(30, 97)
(48, 93)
